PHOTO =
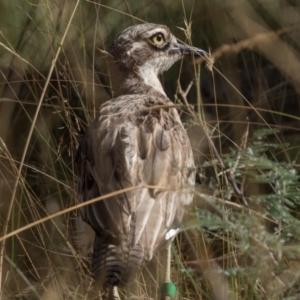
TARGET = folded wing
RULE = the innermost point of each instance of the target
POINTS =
(148, 149)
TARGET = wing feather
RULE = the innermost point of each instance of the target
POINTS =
(143, 142)
(162, 139)
(141, 216)
(153, 230)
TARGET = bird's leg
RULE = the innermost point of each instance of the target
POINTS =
(114, 294)
(168, 268)
(168, 289)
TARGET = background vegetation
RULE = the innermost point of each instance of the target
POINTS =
(242, 237)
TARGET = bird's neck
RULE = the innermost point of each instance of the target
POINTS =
(140, 81)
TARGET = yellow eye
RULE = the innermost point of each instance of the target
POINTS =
(158, 39)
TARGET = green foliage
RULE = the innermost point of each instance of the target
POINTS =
(261, 234)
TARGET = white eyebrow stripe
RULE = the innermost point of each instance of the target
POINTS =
(157, 30)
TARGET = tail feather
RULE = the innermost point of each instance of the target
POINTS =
(115, 264)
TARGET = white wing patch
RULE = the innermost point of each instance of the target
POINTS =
(171, 233)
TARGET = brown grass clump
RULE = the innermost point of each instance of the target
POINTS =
(241, 107)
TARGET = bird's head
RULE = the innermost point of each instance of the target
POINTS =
(147, 50)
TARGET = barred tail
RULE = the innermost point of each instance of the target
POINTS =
(115, 265)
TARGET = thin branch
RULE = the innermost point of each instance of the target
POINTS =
(228, 174)
(69, 209)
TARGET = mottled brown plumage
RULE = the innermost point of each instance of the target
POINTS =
(138, 140)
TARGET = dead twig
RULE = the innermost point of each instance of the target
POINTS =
(245, 44)
(229, 173)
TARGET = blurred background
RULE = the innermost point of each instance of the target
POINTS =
(242, 235)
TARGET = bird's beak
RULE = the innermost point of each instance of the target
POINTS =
(185, 50)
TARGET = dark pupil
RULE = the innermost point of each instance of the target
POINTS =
(159, 38)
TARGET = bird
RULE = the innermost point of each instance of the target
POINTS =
(139, 142)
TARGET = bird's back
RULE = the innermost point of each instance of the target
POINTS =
(138, 141)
